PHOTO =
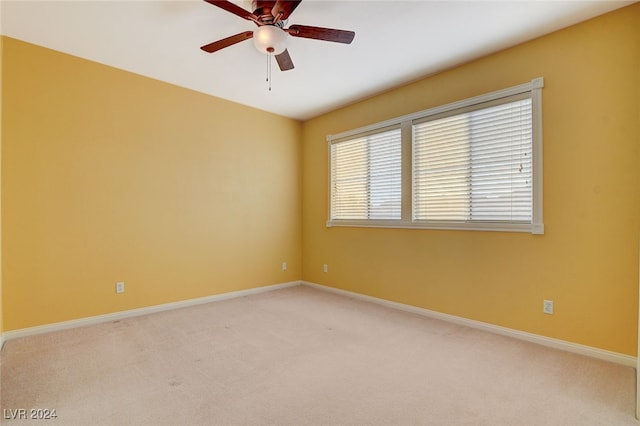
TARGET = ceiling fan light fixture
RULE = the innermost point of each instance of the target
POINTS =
(270, 39)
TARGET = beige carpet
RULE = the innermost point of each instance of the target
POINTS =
(303, 356)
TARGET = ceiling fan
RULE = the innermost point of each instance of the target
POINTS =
(270, 37)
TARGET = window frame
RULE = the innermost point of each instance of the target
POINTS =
(532, 88)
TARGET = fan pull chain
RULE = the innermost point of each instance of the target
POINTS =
(269, 60)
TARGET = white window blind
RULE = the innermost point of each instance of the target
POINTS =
(366, 177)
(476, 165)
(473, 164)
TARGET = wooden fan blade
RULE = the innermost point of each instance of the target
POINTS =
(284, 61)
(226, 42)
(318, 33)
(284, 8)
(236, 10)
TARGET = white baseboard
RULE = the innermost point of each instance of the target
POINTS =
(24, 332)
(615, 357)
(610, 356)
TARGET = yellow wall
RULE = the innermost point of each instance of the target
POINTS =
(1, 308)
(586, 261)
(110, 176)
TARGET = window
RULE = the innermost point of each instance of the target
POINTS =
(365, 177)
(473, 164)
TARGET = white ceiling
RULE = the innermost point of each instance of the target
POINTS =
(396, 42)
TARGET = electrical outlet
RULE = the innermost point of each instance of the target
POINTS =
(284, 266)
(325, 268)
(120, 287)
(547, 307)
